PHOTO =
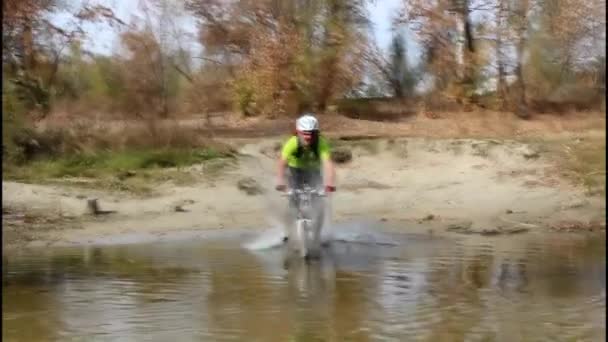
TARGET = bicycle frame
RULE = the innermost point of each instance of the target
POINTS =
(309, 218)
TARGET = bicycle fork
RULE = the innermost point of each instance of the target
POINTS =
(303, 227)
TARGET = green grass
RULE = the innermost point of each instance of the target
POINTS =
(110, 163)
(368, 145)
(135, 171)
(587, 163)
(581, 160)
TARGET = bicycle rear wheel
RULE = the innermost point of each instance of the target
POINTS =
(302, 235)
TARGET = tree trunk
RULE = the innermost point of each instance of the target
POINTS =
(469, 48)
(29, 57)
(327, 85)
(333, 42)
(521, 14)
(501, 86)
(521, 110)
(397, 89)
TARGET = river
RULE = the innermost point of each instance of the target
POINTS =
(532, 287)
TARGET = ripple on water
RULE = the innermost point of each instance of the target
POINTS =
(538, 287)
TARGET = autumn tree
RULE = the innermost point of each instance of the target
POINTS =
(394, 68)
(285, 55)
(568, 39)
(33, 47)
(434, 27)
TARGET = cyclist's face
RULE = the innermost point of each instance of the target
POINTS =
(305, 137)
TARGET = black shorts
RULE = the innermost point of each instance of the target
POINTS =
(297, 178)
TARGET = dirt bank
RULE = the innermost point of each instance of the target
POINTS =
(416, 184)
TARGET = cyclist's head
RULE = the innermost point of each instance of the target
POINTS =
(307, 128)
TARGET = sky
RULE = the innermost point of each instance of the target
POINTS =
(102, 39)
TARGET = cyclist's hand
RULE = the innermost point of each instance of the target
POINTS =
(330, 188)
(280, 187)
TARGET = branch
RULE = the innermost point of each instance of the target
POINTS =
(208, 60)
(181, 71)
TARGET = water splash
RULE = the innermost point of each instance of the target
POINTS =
(268, 239)
(354, 233)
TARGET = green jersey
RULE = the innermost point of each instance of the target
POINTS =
(307, 159)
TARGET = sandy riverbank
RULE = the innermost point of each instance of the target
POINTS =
(416, 184)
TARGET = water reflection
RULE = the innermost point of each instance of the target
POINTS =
(533, 288)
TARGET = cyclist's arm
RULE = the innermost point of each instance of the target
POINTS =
(330, 172)
(328, 166)
(281, 166)
(288, 149)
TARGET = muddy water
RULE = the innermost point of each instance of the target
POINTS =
(528, 288)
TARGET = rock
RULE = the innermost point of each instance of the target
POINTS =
(522, 111)
(179, 209)
(480, 149)
(529, 153)
(575, 203)
(341, 155)
(460, 226)
(509, 211)
(516, 230)
(493, 231)
(466, 228)
(429, 217)
(489, 231)
(179, 205)
(250, 186)
(93, 208)
(271, 151)
(126, 174)
(577, 226)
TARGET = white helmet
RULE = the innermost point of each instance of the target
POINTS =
(307, 123)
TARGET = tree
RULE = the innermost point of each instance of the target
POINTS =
(395, 70)
(404, 77)
(567, 39)
(435, 27)
(33, 46)
(286, 54)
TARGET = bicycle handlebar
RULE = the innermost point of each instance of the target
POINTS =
(290, 192)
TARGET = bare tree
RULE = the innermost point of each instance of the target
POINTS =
(33, 46)
(288, 54)
(395, 69)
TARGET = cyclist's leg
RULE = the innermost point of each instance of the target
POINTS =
(293, 178)
(312, 177)
(315, 180)
(291, 175)
(294, 182)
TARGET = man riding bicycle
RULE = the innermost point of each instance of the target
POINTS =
(303, 155)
